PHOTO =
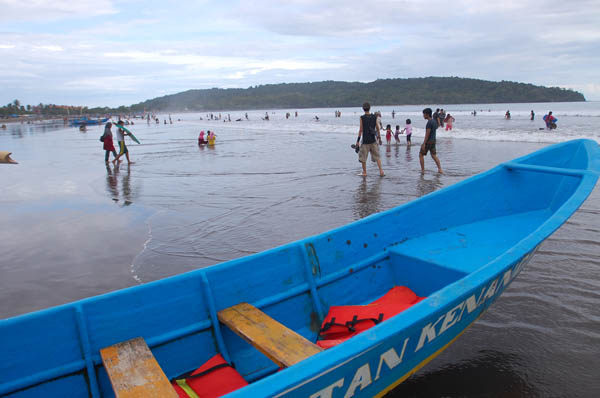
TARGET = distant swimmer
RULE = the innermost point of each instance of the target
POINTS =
(532, 115)
(266, 116)
(316, 118)
(397, 134)
(211, 138)
(507, 115)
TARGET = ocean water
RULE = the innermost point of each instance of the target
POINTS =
(74, 227)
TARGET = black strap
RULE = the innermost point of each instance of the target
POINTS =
(189, 375)
(331, 323)
(349, 324)
(355, 320)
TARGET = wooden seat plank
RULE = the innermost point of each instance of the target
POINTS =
(134, 372)
(280, 344)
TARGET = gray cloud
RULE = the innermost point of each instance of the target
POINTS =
(140, 54)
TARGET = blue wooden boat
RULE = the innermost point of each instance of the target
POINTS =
(88, 122)
(459, 247)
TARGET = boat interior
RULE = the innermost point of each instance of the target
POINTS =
(425, 245)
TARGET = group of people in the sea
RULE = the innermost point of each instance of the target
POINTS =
(370, 133)
(548, 118)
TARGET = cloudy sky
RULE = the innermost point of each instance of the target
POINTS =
(103, 52)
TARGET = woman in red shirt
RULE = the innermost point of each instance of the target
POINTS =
(108, 143)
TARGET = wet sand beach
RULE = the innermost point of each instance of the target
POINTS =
(73, 227)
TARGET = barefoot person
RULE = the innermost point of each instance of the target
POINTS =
(121, 140)
(429, 141)
(371, 139)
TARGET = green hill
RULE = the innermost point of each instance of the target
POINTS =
(428, 90)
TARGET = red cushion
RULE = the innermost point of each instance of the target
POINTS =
(214, 384)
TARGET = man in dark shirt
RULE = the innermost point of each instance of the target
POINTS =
(436, 116)
(371, 139)
(429, 141)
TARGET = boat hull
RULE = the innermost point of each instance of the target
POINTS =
(395, 356)
(459, 247)
(88, 122)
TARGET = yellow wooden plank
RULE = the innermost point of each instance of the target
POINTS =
(280, 344)
(134, 372)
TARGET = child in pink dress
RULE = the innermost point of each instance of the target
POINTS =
(449, 120)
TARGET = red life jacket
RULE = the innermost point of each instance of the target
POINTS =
(343, 322)
(213, 379)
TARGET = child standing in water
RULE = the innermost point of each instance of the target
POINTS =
(388, 134)
(408, 131)
(397, 134)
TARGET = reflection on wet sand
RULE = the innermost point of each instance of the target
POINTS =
(489, 371)
(113, 173)
(368, 197)
(409, 156)
(427, 185)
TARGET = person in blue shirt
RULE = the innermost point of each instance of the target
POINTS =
(429, 141)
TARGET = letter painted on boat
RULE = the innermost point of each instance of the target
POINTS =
(375, 369)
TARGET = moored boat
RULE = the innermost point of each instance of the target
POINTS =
(457, 249)
(88, 122)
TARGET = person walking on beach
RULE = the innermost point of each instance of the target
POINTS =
(532, 115)
(429, 141)
(122, 147)
(108, 146)
(371, 139)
